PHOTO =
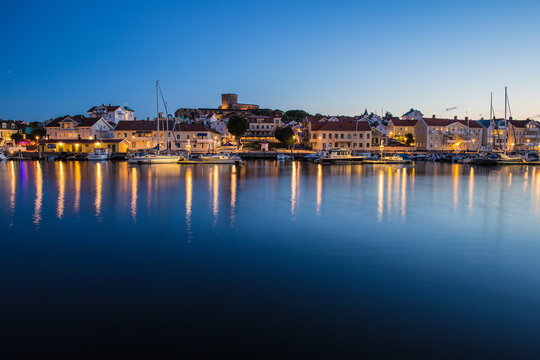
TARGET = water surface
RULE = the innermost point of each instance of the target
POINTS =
(269, 260)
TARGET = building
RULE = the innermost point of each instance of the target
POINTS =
(399, 128)
(230, 102)
(229, 105)
(113, 113)
(353, 135)
(522, 134)
(7, 128)
(263, 127)
(83, 145)
(79, 128)
(142, 134)
(434, 134)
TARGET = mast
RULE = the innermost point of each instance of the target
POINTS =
(505, 116)
(157, 113)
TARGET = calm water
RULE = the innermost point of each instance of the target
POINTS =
(271, 260)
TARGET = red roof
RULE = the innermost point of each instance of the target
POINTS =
(151, 125)
(340, 126)
(399, 122)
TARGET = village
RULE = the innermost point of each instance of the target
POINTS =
(206, 130)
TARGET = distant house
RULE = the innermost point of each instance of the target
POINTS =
(263, 127)
(401, 127)
(434, 134)
(114, 113)
(353, 135)
(412, 115)
(7, 128)
(79, 128)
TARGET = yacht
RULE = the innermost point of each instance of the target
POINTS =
(2, 157)
(283, 157)
(99, 155)
(390, 159)
(222, 158)
(503, 159)
(338, 156)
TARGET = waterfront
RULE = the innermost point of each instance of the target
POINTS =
(270, 258)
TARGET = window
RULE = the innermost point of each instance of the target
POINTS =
(314, 136)
(342, 136)
(324, 135)
(361, 136)
(367, 145)
(367, 136)
(329, 136)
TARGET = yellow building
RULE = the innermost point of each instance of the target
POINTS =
(84, 145)
(353, 135)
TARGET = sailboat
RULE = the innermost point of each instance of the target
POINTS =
(158, 158)
(504, 158)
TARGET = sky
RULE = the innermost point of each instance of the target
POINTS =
(330, 57)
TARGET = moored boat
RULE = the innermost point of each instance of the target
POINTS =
(100, 154)
(338, 156)
(390, 159)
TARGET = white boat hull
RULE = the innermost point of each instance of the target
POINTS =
(159, 159)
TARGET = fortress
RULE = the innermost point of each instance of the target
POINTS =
(229, 104)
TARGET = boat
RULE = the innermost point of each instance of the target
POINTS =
(391, 159)
(154, 159)
(338, 156)
(100, 154)
(222, 158)
(283, 157)
(2, 157)
(503, 159)
(158, 157)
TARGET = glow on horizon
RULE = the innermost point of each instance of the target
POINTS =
(335, 58)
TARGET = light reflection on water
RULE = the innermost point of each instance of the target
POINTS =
(325, 242)
(394, 186)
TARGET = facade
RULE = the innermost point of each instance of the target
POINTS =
(7, 128)
(522, 135)
(113, 113)
(262, 127)
(434, 134)
(79, 128)
(142, 134)
(401, 127)
(83, 145)
(352, 135)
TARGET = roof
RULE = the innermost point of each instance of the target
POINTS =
(398, 122)
(520, 123)
(107, 107)
(340, 126)
(438, 122)
(81, 122)
(151, 125)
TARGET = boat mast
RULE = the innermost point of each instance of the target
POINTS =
(505, 120)
(157, 112)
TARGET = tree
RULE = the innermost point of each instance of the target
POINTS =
(409, 139)
(237, 126)
(285, 135)
(16, 137)
(294, 115)
(262, 112)
(388, 115)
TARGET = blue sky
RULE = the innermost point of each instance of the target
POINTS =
(332, 57)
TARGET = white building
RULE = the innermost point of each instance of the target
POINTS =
(114, 113)
(79, 128)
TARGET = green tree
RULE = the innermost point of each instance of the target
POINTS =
(286, 136)
(237, 126)
(388, 115)
(294, 115)
(262, 112)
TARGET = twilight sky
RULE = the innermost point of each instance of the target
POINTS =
(331, 57)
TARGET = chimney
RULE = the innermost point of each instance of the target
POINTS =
(433, 116)
(466, 118)
(510, 118)
(455, 117)
(109, 104)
